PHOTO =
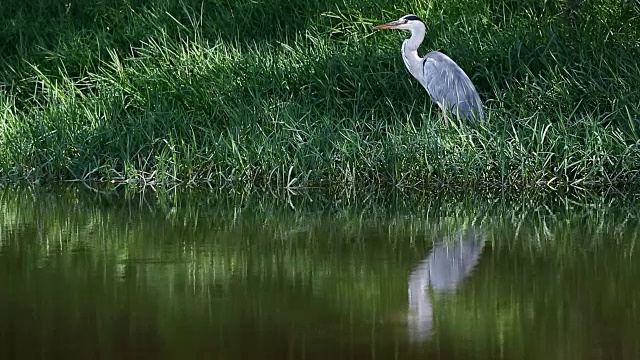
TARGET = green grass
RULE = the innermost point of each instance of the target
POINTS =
(276, 94)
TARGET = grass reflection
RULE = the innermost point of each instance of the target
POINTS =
(172, 275)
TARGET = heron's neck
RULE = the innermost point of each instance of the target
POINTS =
(412, 60)
(417, 35)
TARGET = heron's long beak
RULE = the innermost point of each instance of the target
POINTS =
(389, 25)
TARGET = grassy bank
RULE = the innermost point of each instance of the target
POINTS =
(303, 93)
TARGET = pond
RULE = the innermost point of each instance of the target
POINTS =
(88, 273)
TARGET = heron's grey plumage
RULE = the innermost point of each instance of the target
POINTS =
(447, 84)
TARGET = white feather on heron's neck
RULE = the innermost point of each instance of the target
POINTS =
(412, 60)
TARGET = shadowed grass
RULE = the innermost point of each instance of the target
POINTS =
(303, 94)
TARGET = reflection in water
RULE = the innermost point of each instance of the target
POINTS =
(449, 262)
(104, 277)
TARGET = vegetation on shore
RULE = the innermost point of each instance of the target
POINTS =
(276, 93)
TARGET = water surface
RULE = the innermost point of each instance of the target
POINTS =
(85, 274)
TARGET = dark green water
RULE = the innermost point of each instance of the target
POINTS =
(118, 275)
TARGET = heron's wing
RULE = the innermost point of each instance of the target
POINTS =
(449, 86)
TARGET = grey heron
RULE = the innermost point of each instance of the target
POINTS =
(447, 84)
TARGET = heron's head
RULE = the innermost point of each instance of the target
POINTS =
(407, 22)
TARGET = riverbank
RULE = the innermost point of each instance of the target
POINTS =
(305, 94)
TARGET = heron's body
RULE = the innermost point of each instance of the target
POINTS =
(444, 80)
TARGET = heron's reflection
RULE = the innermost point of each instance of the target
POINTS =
(449, 262)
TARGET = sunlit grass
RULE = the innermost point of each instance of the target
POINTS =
(303, 94)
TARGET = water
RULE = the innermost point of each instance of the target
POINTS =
(121, 275)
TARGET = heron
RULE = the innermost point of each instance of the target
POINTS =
(447, 84)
